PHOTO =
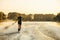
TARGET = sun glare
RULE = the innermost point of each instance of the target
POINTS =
(30, 6)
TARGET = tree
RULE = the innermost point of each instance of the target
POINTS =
(38, 17)
(2, 16)
(13, 15)
(49, 17)
(57, 18)
(26, 17)
(44, 17)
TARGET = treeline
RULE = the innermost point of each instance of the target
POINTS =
(30, 17)
(2, 16)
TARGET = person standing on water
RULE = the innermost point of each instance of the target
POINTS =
(19, 23)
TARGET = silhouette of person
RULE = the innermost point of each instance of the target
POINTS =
(19, 23)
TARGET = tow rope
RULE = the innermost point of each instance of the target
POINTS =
(6, 27)
(9, 25)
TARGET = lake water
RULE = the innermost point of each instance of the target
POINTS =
(30, 31)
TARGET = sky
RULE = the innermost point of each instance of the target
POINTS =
(30, 6)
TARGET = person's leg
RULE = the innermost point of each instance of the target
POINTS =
(19, 27)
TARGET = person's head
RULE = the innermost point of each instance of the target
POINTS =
(19, 18)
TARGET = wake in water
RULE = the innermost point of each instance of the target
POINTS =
(32, 31)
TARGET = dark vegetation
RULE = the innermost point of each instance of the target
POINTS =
(30, 17)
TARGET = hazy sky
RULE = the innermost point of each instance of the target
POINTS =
(30, 6)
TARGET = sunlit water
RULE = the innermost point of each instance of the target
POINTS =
(30, 31)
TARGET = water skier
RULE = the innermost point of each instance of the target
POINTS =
(19, 23)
